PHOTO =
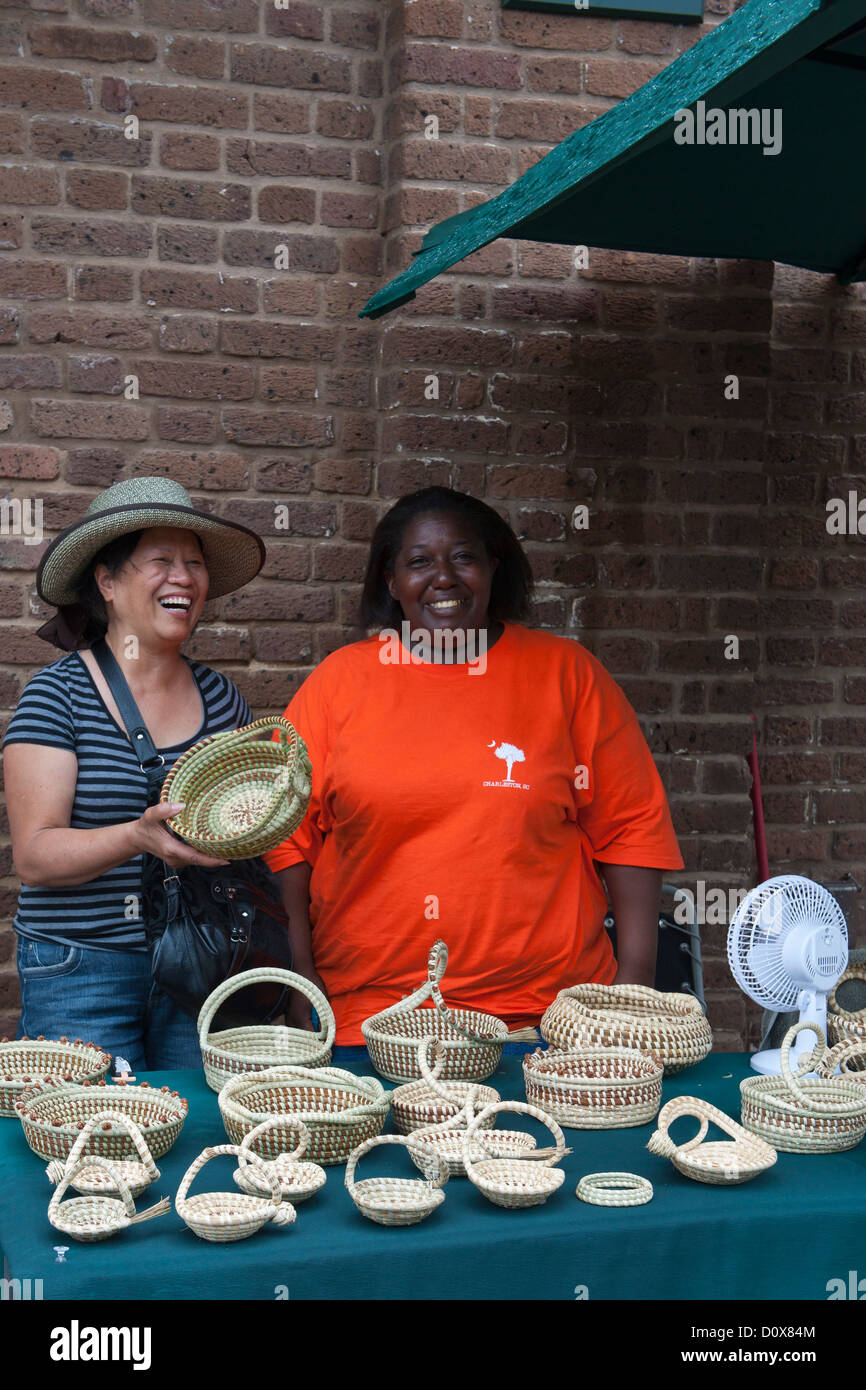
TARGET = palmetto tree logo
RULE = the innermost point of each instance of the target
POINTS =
(509, 755)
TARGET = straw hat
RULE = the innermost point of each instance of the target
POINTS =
(233, 554)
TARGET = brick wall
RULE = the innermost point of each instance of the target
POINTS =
(304, 129)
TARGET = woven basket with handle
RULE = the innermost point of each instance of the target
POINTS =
(798, 1113)
(298, 1180)
(244, 792)
(25, 1060)
(595, 1087)
(339, 1109)
(719, 1162)
(398, 1201)
(104, 1178)
(514, 1182)
(254, 1048)
(52, 1116)
(672, 1027)
(227, 1216)
(94, 1217)
(473, 1041)
(847, 1025)
(429, 1101)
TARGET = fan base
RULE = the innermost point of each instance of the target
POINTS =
(768, 1062)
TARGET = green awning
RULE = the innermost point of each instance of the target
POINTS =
(626, 183)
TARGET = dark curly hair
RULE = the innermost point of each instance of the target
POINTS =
(114, 556)
(511, 589)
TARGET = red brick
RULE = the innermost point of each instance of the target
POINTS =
(12, 136)
(32, 280)
(288, 383)
(193, 105)
(292, 474)
(189, 290)
(101, 374)
(181, 333)
(305, 342)
(214, 471)
(295, 19)
(282, 203)
(91, 238)
(88, 142)
(267, 65)
(28, 461)
(285, 428)
(422, 433)
(196, 245)
(433, 19)
(445, 159)
(290, 294)
(23, 371)
(82, 420)
(278, 159)
(233, 16)
(23, 184)
(355, 28)
(192, 57)
(349, 209)
(90, 328)
(304, 253)
(114, 94)
(617, 77)
(453, 345)
(186, 426)
(95, 45)
(286, 561)
(216, 381)
(97, 466)
(183, 150)
(343, 475)
(190, 198)
(282, 112)
(466, 67)
(97, 189)
(340, 119)
(43, 89)
(555, 303)
(104, 9)
(555, 31)
(216, 645)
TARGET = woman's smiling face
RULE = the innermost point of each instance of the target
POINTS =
(160, 591)
(442, 574)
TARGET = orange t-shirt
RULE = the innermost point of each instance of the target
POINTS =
(450, 803)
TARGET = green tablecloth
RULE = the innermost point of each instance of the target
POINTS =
(782, 1236)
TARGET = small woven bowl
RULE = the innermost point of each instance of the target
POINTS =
(720, 1163)
(848, 1025)
(298, 1181)
(94, 1218)
(106, 1178)
(398, 1201)
(339, 1109)
(488, 1143)
(26, 1060)
(52, 1116)
(595, 1087)
(227, 1216)
(244, 793)
(515, 1182)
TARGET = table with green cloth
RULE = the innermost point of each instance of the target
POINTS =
(784, 1235)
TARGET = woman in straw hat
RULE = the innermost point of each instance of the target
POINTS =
(136, 570)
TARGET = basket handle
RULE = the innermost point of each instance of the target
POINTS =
(433, 1165)
(851, 972)
(436, 964)
(661, 1142)
(231, 1150)
(91, 1161)
(103, 1117)
(811, 1062)
(514, 1107)
(843, 1052)
(277, 1122)
(327, 1030)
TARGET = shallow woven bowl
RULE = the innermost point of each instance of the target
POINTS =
(510, 1182)
(91, 1218)
(672, 1027)
(416, 1105)
(298, 1179)
(498, 1143)
(339, 1109)
(228, 781)
(724, 1162)
(392, 1042)
(26, 1060)
(396, 1201)
(595, 1088)
(228, 1216)
(51, 1117)
(767, 1110)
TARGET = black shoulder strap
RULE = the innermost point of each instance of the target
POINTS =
(149, 757)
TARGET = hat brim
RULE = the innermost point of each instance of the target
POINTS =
(233, 554)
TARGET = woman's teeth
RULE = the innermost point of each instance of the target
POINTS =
(446, 605)
(177, 605)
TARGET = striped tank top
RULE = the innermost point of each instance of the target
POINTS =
(61, 708)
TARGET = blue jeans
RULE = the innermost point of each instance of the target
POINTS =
(106, 997)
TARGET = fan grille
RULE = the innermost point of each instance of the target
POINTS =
(766, 918)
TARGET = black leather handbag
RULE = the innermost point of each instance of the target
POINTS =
(204, 925)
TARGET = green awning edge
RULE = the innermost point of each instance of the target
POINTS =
(773, 35)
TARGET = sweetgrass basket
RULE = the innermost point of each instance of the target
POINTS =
(672, 1027)
(53, 1114)
(340, 1110)
(25, 1060)
(847, 1025)
(720, 1163)
(298, 1180)
(806, 1114)
(515, 1182)
(244, 792)
(96, 1217)
(398, 1201)
(227, 1216)
(106, 1177)
(420, 1104)
(254, 1048)
(595, 1087)
(473, 1041)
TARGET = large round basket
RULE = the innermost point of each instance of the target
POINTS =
(26, 1060)
(340, 1110)
(595, 1088)
(235, 1050)
(52, 1115)
(244, 792)
(473, 1041)
(672, 1027)
(847, 1025)
(806, 1114)
(720, 1163)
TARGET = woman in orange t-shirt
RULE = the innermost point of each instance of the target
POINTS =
(471, 776)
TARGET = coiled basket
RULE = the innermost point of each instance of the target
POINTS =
(672, 1027)
(52, 1115)
(340, 1110)
(847, 1025)
(595, 1087)
(244, 793)
(254, 1048)
(806, 1114)
(473, 1041)
(26, 1060)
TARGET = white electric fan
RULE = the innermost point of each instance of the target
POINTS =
(787, 947)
